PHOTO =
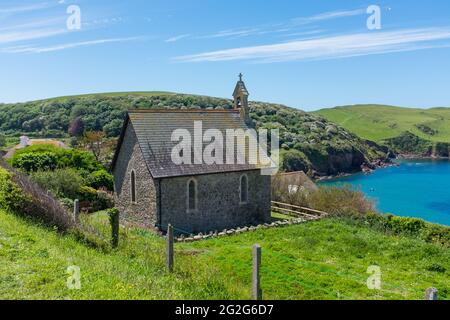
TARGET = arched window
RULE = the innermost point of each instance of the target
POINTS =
(243, 189)
(133, 186)
(191, 195)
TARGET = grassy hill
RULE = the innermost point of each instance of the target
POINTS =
(325, 259)
(108, 95)
(380, 123)
(313, 144)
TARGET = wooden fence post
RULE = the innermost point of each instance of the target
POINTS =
(256, 280)
(431, 294)
(115, 227)
(169, 248)
(76, 211)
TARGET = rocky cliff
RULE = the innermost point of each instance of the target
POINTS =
(410, 145)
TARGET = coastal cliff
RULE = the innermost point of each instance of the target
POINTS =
(409, 145)
(406, 132)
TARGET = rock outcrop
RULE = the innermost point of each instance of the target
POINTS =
(409, 145)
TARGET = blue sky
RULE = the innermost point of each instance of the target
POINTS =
(307, 54)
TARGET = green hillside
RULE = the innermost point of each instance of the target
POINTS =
(309, 142)
(108, 95)
(326, 259)
(379, 122)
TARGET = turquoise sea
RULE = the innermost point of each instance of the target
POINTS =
(416, 188)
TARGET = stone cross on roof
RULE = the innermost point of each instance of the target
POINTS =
(240, 76)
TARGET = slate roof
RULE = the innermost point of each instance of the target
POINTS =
(154, 129)
(298, 178)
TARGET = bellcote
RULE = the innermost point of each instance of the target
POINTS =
(240, 96)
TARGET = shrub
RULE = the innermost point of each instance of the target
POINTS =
(294, 160)
(341, 200)
(30, 162)
(48, 157)
(426, 129)
(78, 159)
(334, 200)
(401, 225)
(92, 200)
(64, 183)
(20, 195)
(100, 179)
(86, 193)
(413, 227)
(67, 203)
(437, 234)
(11, 197)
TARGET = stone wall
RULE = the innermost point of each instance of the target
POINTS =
(144, 211)
(218, 202)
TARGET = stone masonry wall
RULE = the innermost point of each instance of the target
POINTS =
(218, 202)
(144, 211)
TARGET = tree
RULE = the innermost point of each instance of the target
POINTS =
(93, 141)
(76, 127)
(113, 128)
(2, 140)
(294, 160)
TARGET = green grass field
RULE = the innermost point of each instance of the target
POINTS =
(325, 259)
(378, 122)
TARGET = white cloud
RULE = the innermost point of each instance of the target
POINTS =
(45, 28)
(24, 8)
(278, 28)
(283, 26)
(30, 49)
(176, 38)
(31, 29)
(31, 25)
(232, 33)
(304, 33)
(329, 16)
(331, 47)
(15, 36)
